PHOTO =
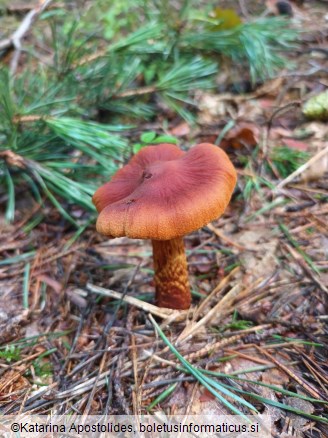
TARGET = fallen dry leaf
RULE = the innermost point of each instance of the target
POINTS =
(180, 130)
(211, 407)
(206, 396)
(245, 134)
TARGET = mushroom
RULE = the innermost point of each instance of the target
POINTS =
(163, 194)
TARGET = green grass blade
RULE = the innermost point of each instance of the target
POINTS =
(206, 382)
(18, 259)
(282, 406)
(162, 396)
(26, 283)
(266, 385)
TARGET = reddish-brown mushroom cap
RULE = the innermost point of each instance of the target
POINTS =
(164, 192)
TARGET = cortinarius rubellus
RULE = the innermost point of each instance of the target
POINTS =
(163, 194)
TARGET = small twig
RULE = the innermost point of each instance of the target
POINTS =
(18, 35)
(304, 74)
(304, 266)
(302, 168)
(95, 387)
(78, 332)
(300, 381)
(230, 242)
(136, 394)
(28, 118)
(156, 383)
(251, 358)
(150, 308)
(86, 386)
(117, 377)
(218, 311)
(13, 159)
(136, 92)
(219, 288)
(224, 342)
(90, 58)
(243, 9)
(317, 376)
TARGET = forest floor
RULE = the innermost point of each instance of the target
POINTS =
(259, 277)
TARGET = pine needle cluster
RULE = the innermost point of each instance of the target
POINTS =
(121, 62)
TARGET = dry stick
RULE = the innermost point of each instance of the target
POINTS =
(80, 388)
(315, 366)
(81, 365)
(304, 266)
(302, 168)
(253, 287)
(162, 312)
(243, 9)
(316, 376)
(22, 406)
(18, 35)
(29, 118)
(269, 346)
(189, 406)
(304, 385)
(40, 393)
(192, 397)
(218, 288)
(230, 242)
(90, 58)
(306, 188)
(153, 356)
(220, 309)
(94, 388)
(136, 394)
(247, 356)
(149, 364)
(224, 342)
(321, 224)
(137, 91)
(13, 159)
(117, 376)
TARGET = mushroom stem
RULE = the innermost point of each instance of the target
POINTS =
(171, 275)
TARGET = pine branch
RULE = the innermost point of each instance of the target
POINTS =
(258, 42)
(170, 55)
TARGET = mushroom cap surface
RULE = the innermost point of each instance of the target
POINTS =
(164, 193)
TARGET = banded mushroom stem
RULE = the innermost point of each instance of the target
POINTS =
(171, 274)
